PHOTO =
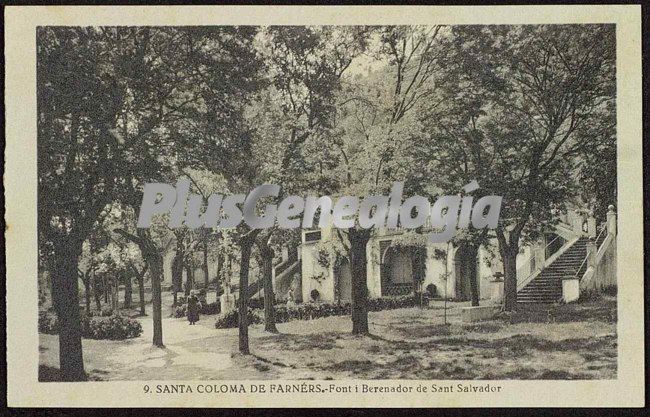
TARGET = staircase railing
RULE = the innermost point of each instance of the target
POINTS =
(603, 229)
(529, 261)
(577, 275)
(547, 262)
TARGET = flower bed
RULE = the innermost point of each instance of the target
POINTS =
(231, 319)
(115, 327)
(310, 311)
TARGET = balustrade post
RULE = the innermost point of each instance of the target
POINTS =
(285, 253)
(540, 254)
(611, 221)
(592, 249)
(591, 225)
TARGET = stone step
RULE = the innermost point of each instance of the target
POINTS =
(540, 295)
(547, 286)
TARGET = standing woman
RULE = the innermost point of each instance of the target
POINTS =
(193, 308)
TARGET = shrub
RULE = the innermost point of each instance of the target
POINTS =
(256, 303)
(115, 327)
(310, 311)
(106, 311)
(231, 319)
(431, 290)
(212, 308)
(48, 323)
(207, 309)
(179, 311)
(391, 303)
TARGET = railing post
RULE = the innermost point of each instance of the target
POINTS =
(611, 221)
(591, 225)
(591, 252)
(576, 221)
(540, 255)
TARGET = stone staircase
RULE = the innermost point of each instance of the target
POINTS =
(282, 281)
(547, 286)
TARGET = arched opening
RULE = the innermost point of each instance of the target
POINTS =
(465, 271)
(401, 268)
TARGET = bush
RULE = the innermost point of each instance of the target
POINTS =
(256, 303)
(106, 311)
(48, 322)
(179, 311)
(115, 327)
(310, 311)
(212, 308)
(391, 303)
(207, 309)
(231, 319)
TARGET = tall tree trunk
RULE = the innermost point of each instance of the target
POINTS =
(509, 248)
(152, 256)
(206, 269)
(266, 256)
(156, 270)
(97, 293)
(177, 275)
(189, 279)
(105, 288)
(510, 279)
(218, 275)
(246, 244)
(141, 292)
(358, 241)
(66, 303)
(115, 287)
(128, 292)
(87, 290)
(473, 274)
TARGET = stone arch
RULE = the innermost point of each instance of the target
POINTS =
(465, 271)
(344, 281)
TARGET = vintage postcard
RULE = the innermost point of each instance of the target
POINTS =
(253, 206)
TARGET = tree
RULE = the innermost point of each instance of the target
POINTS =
(266, 255)
(517, 99)
(152, 243)
(374, 114)
(307, 66)
(110, 100)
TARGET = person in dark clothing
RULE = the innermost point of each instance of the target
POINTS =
(193, 308)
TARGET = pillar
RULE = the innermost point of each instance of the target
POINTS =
(540, 254)
(611, 221)
(285, 253)
(591, 225)
(570, 289)
(591, 252)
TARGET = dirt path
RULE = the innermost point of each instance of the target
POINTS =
(578, 342)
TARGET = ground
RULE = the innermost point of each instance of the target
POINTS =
(575, 341)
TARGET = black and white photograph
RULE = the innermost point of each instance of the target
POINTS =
(306, 206)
